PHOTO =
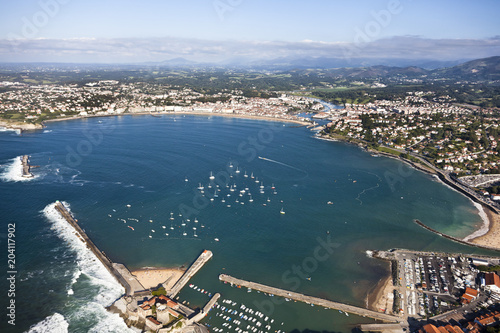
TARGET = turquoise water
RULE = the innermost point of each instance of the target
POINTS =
(123, 172)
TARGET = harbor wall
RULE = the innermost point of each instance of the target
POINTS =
(103, 258)
(455, 239)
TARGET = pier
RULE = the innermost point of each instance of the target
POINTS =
(195, 267)
(310, 299)
(395, 328)
(119, 271)
(26, 167)
(203, 313)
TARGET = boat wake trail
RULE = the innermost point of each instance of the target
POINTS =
(281, 163)
(369, 189)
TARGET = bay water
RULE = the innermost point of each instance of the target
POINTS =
(283, 209)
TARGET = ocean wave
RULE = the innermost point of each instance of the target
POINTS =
(76, 275)
(107, 289)
(52, 324)
(17, 131)
(13, 171)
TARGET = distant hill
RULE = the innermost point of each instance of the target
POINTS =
(480, 69)
(486, 68)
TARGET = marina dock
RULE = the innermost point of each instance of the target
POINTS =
(119, 271)
(310, 299)
(26, 167)
(195, 267)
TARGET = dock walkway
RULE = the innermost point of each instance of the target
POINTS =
(310, 299)
(195, 267)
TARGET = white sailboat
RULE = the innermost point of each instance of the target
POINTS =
(282, 211)
(211, 175)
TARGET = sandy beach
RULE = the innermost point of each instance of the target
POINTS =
(381, 299)
(492, 237)
(205, 114)
(151, 277)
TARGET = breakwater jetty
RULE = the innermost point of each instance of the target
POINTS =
(119, 271)
(26, 167)
(310, 299)
(193, 269)
(455, 239)
(204, 312)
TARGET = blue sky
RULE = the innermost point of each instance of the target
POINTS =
(71, 30)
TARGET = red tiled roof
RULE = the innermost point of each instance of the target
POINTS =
(173, 312)
(489, 319)
(150, 301)
(429, 328)
(442, 329)
(154, 321)
(470, 291)
(492, 279)
(165, 300)
(450, 329)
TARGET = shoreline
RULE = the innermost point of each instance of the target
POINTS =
(491, 238)
(379, 299)
(486, 236)
(11, 125)
(205, 114)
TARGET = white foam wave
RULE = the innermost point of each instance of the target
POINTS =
(76, 275)
(52, 324)
(13, 171)
(485, 227)
(4, 129)
(108, 289)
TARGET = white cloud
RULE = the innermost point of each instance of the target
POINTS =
(158, 49)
